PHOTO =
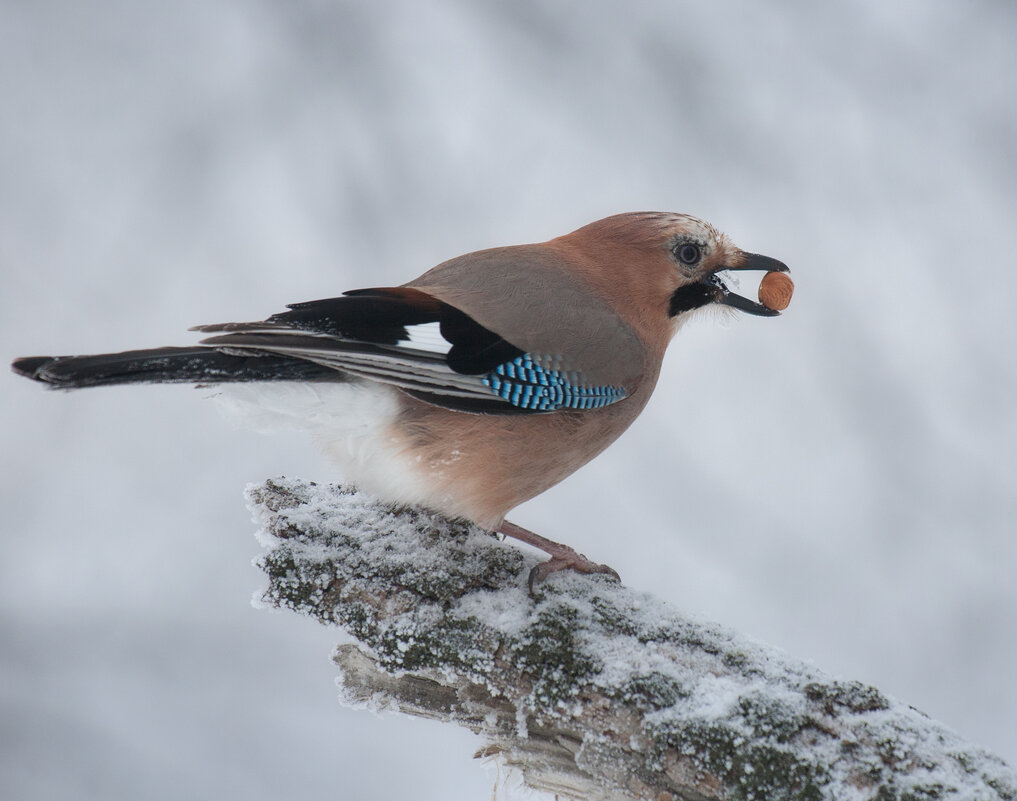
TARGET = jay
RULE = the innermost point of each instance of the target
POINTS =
(478, 385)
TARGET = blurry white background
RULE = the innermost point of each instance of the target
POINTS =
(840, 481)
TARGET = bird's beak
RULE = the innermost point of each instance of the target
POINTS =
(744, 261)
(713, 289)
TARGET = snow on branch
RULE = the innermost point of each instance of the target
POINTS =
(592, 690)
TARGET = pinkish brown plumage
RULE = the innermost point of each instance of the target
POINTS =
(476, 386)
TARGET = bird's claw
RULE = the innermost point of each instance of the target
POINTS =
(567, 561)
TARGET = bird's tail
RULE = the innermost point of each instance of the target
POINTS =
(190, 365)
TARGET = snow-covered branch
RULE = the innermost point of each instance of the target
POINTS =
(592, 690)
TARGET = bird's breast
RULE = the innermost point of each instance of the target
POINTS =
(481, 466)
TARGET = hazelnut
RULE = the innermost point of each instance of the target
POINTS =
(775, 291)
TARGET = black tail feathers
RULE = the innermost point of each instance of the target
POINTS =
(192, 365)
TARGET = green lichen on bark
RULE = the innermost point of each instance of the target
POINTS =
(852, 696)
(652, 691)
(549, 653)
(459, 644)
(608, 682)
(749, 768)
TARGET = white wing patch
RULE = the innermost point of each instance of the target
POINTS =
(427, 337)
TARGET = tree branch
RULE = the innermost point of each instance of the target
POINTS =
(592, 690)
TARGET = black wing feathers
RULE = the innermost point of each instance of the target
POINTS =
(475, 350)
(381, 316)
(194, 365)
(370, 315)
(365, 333)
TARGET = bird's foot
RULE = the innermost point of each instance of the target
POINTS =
(562, 556)
(572, 561)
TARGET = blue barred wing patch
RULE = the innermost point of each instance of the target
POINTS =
(529, 382)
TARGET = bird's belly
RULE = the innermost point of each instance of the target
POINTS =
(480, 466)
(405, 451)
(351, 421)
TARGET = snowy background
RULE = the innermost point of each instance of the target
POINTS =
(841, 481)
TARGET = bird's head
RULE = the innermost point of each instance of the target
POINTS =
(671, 263)
(701, 255)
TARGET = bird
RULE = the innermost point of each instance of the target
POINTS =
(481, 383)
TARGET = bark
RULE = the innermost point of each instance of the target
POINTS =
(591, 689)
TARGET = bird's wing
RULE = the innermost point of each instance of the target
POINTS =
(410, 339)
(535, 297)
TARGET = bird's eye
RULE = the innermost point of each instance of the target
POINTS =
(688, 253)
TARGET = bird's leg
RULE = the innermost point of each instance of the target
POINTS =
(562, 556)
